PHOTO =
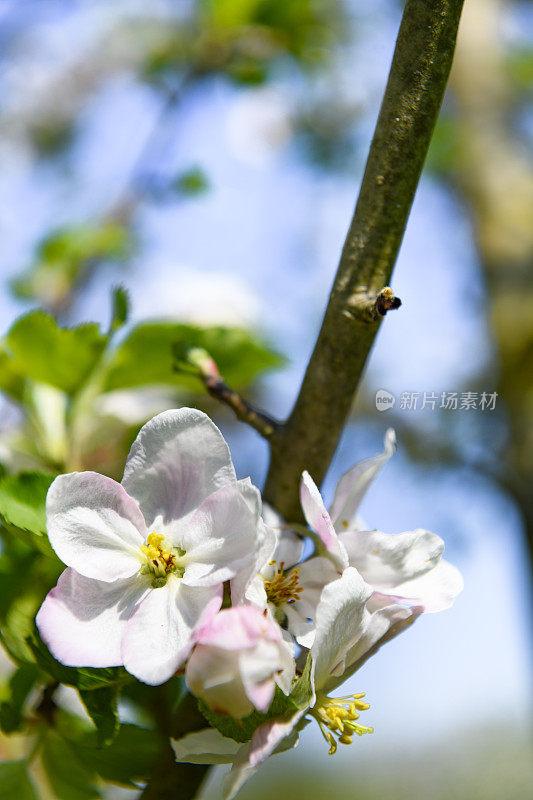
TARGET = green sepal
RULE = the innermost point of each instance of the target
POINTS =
(242, 730)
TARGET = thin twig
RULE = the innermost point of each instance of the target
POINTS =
(206, 369)
(416, 85)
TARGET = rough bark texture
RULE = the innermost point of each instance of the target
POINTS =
(416, 85)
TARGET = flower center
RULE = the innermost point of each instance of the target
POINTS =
(336, 717)
(283, 588)
(161, 560)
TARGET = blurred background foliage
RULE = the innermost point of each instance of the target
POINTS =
(302, 81)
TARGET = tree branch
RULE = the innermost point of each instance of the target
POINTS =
(410, 107)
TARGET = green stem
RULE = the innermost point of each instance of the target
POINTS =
(416, 85)
(170, 780)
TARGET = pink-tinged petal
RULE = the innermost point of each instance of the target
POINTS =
(353, 485)
(213, 675)
(341, 619)
(319, 520)
(94, 526)
(386, 560)
(159, 635)
(266, 740)
(82, 621)
(435, 590)
(205, 747)
(261, 694)
(237, 628)
(177, 460)
(220, 539)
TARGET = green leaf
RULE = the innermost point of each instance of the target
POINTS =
(69, 777)
(127, 760)
(101, 705)
(15, 782)
(120, 310)
(146, 355)
(242, 730)
(11, 381)
(25, 578)
(66, 256)
(83, 678)
(62, 357)
(23, 499)
(18, 688)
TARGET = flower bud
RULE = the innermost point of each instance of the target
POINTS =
(238, 659)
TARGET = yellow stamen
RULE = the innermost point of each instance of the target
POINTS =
(283, 588)
(160, 560)
(339, 715)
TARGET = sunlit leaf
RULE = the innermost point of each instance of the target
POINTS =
(23, 498)
(62, 357)
(146, 355)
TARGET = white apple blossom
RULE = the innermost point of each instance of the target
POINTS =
(405, 570)
(239, 657)
(147, 558)
(341, 619)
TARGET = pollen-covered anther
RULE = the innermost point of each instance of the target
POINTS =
(159, 559)
(284, 587)
(337, 716)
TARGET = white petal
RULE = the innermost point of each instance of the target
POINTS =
(289, 548)
(178, 459)
(385, 560)
(220, 539)
(435, 590)
(205, 747)
(82, 621)
(313, 577)
(213, 674)
(158, 637)
(341, 618)
(353, 485)
(94, 526)
(319, 520)
(378, 625)
(266, 739)
(243, 580)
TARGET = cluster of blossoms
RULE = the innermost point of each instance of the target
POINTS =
(180, 567)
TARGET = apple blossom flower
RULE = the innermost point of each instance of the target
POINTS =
(239, 657)
(341, 619)
(405, 570)
(147, 558)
